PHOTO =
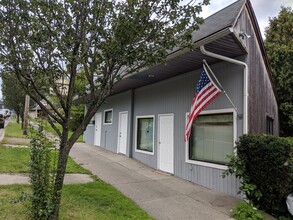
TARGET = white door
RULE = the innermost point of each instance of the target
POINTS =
(122, 132)
(98, 129)
(166, 143)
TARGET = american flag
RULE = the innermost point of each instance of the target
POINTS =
(206, 91)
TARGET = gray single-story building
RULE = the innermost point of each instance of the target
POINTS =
(146, 114)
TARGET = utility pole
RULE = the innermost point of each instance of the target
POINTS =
(25, 114)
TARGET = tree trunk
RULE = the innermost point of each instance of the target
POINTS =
(25, 115)
(59, 178)
(21, 117)
(17, 118)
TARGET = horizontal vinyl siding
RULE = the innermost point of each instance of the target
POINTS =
(174, 96)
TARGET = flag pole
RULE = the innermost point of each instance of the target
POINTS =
(219, 84)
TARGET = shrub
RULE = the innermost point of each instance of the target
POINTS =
(265, 166)
(245, 211)
(40, 178)
(290, 139)
(77, 116)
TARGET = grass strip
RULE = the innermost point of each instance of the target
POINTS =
(48, 128)
(15, 160)
(90, 201)
(13, 129)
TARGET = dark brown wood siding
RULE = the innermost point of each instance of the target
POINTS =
(262, 102)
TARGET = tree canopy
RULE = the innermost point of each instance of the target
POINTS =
(279, 46)
(13, 94)
(43, 42)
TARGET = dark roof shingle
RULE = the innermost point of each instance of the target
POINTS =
(218, 21)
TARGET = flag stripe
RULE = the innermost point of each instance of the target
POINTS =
(198, 97)
(200, 106)
(201, 96)
(206, 91)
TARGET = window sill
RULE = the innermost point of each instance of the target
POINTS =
(206, 164)
(144, 152)
(107, 123)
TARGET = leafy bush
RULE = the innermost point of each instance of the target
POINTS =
(40, 178)
(290, 139)
(77, 116)
(264, 163)
(246, 211)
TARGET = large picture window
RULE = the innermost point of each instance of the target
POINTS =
(145, 134)
(212, 138)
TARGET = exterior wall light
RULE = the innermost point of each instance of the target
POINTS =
(243, 35)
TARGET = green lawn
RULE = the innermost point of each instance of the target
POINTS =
(15, 160)
(14, 130)
(48, 128)
(90, 201)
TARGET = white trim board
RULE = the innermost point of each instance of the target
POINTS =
(207, 112)
(135, 144)
(104, 116)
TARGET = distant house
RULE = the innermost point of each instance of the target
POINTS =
(146, 114)
(35, 112)
(61, 85)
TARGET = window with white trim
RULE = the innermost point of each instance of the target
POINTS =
(108, 116)
(212, 138)
(145, 134)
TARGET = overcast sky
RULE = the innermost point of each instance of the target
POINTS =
(264, 9)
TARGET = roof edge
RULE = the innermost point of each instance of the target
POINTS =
(239, 13)
(203, 41)
(260, 40)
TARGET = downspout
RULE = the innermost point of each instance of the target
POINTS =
(131, 123)
(245, 82)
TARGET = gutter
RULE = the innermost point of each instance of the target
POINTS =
(176, 52)
(197, 43)
(245, 82)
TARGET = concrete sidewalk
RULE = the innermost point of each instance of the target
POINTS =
(23, 178)
(162, 196)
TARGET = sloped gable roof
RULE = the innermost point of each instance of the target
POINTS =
(222, 19)
(213, 24)
(215, 33)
